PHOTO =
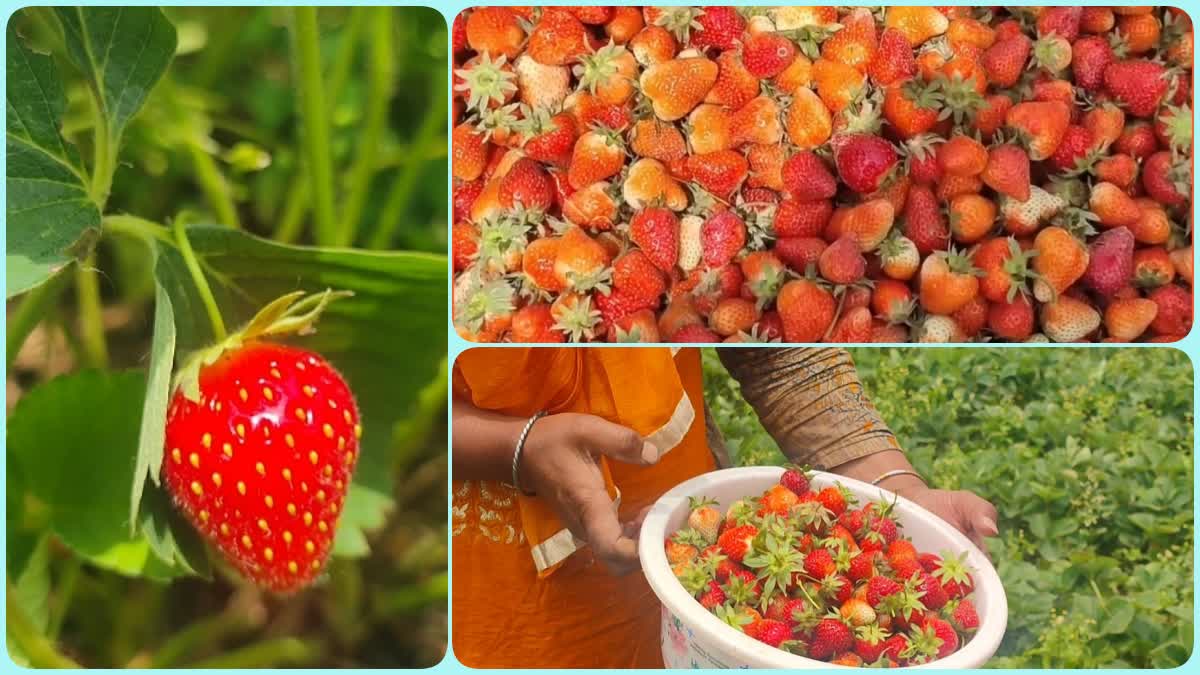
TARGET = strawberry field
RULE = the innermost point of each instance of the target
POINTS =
(1087, 455)
(187, 486)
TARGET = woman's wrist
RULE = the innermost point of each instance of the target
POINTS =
(904, 485)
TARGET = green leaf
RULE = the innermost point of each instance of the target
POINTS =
(1120, 615)
(51, 220)
(123, 51)
(387, 340)
(73, 440)
(158, 397)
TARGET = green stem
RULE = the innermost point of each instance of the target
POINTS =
(206, 296)
(265, 654)
(104, 155)
(132, 226)
(413, 598)
(314, 116)
(298, 194)
(397, 202)
(91, 312)
(214, 185)
(33, 308)
(297, 202)
(39, 650)
(381, 72)
(200, 636)
(66, 590)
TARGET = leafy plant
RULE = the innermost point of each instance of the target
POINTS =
(155, 113)
(1087, 455)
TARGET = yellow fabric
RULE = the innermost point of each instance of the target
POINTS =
(572, 614)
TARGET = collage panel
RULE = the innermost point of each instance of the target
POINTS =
(822, 174)
(226, 354)
(771, 507)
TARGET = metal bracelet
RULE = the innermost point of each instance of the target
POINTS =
(897, 472)
(516, 458)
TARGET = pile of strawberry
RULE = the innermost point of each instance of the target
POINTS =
(810, 174)
(804, 571)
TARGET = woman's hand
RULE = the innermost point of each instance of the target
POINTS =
(973, 515)
(559, 464)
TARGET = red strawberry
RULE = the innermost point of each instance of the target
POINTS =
(935, 597)
(830, 637)
(1110, 262)
(720, 172)
(1062, 21)
(656, 231)
(854, 326)
(712, 597)
(735, 542)
(535, 323)
(863, 161)
(819, 564)
(1011, 320)
(550, 139)
(722, 236)
(862, 567)
(880, 587)
(945, 632)
(795, 480)
(770, 631)
(842, 262)
(718, 27)
(964, 618)
(893, 61)
(1174, 310)
(767, 54)
(923, 221)
(1166, 181)
(869, 643)
(1004, 61)
(1041, 124)
(637, 276)
(1072, 153)
(802, 219)
(1090, 55)
(806, 178)
(259, 459)
(1138, 84)
(526, 185)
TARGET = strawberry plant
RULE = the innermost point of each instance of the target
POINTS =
(1087, 455)
(219, 358)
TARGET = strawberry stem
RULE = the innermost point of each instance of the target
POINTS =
(206, 296)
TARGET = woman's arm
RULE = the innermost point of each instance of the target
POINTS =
(812, 402)
(559, 464)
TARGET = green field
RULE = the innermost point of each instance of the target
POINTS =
(1086, 453)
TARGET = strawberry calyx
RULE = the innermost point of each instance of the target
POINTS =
(293, 314)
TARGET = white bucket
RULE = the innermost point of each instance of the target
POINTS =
(692, 637)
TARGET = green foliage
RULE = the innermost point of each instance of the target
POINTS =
(1087, 455)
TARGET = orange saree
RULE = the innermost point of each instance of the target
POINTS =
(524, 593)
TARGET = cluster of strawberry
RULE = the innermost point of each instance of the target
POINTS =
(803, 571)
(812, 174)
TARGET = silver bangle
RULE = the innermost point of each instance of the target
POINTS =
(897, 472)
(520, 448)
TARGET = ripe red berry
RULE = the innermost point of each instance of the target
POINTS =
(260, 462)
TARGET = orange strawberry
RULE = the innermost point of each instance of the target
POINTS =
(593, 207)
(469, 152)
(868, 223)
(608, 73)
(1154, 267)
(558, 38)
(1005, 268)
(1139, 33)
(537, 267)
(806, 310)
(1126, 319)
(892, 300)
(649, 181)
(842, 262)
(969, 31)
(653, 45)
(972, 217)
(598, 154)
(1007, 171)
(677, 86)
(1060, 261)
(947, 281)
(756, 122)
(989, 117)
(837, 84)
(854, 45)
(535, 323)
(1042, 125)
(639, 326)
(766, 166)
(734, 315)
(1068, 319)
(808, 122)
(918, 24)
(709, 129)
(656, 139)
(495, 31)
(721, 173)
(962, 156)
(1113, 206)
(912, 108)
(1184, 262)
(797, 75)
